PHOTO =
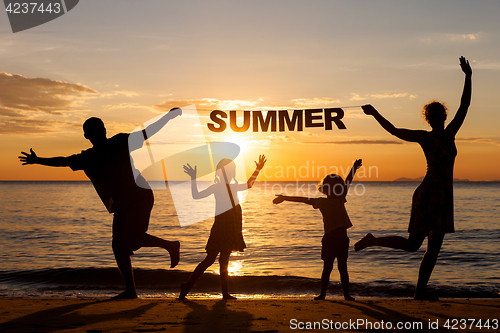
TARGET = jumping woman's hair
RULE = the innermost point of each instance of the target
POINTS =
(229, 168)
(434, 109)
(332, 185)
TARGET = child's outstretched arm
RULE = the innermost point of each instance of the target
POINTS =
(259, 166)
(194, 187)
(348, 180)
(280, 198)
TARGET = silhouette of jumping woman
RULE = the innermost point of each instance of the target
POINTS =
(335, 243)
(108, 166)
(226, 235)
(432, 203)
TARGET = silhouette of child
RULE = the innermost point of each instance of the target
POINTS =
(226, 235)
(335, 243)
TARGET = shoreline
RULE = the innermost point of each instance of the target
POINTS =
(243, 315)
(161, 283)
(398, 180)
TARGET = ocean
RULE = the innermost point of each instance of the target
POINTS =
(55, 241)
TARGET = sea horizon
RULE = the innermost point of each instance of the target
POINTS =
(56, 242)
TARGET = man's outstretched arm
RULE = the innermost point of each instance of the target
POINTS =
(139, 137)
(155, 127)
(32, 158)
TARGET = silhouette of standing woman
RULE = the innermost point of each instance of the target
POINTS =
(432, 203)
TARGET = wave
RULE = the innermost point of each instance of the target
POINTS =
(167, 281)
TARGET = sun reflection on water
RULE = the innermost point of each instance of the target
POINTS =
(235, 267)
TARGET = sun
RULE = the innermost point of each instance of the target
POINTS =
(242, 143)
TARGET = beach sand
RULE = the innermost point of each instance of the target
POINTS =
(243, 315)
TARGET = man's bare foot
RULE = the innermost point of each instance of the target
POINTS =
(364, 242)
(126, 295)
(320, 298)
(228, 297)
(184, 291)
(174, 251)
(348, 298)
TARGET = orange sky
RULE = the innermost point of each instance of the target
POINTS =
(131, 66)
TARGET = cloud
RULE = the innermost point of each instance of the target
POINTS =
(356, 97)
(19, 95)
(310, 134)
(314, 102)
(486, 64)
(126, 106)
(487, 140)
(399, 95)
(282, 138)
(10, 112)
(272, 141)
(358, 142)
(239, 104)
(126, 93)
(438, 38)
(210, 104)
(459, 37)
(120, 92)
(30, 126)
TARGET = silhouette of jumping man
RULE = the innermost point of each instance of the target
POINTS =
(108, 166)
(335, 242)
(432, 203)
(226, 234)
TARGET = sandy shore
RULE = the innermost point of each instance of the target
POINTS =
(250, 315)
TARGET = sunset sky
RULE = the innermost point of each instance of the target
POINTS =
(127, 61)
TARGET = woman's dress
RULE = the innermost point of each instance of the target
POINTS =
(432, 203)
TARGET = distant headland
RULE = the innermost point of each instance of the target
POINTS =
(419, 179)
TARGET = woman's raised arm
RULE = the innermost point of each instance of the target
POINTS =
(457, 122)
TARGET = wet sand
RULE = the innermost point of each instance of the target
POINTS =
(245, 315)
